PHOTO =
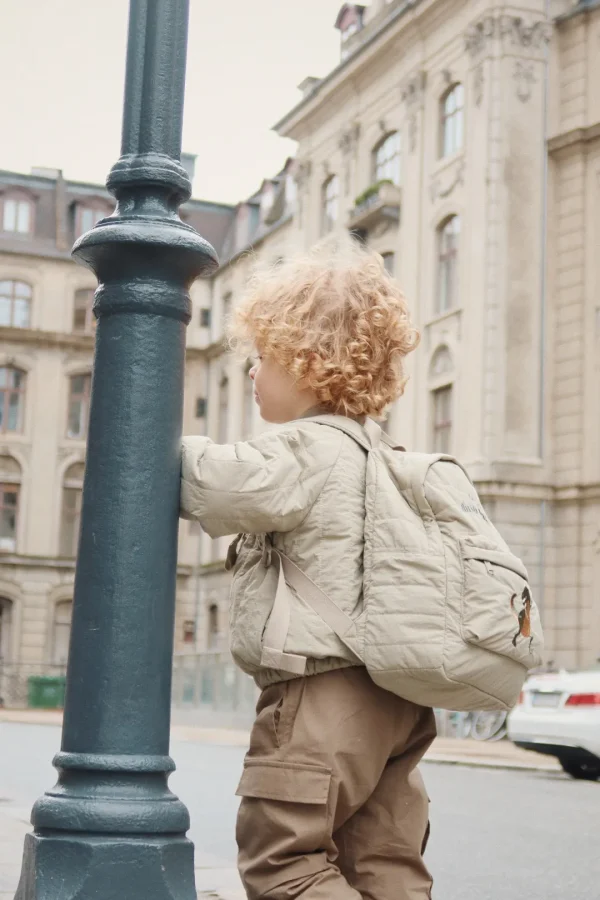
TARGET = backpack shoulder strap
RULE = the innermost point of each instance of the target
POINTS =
(369, 435)
(276, 631)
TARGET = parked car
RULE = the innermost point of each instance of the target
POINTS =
(559, 714)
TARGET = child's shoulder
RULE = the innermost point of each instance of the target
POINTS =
(303, 434)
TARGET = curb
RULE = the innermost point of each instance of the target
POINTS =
(482, 763)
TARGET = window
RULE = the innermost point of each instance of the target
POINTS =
(249, 404)
(12, 396)
(189, 631)
(223, 410)
(205, 317)
(71, 510)
(79, 405)
(388, 262)
(442, 419)
(213, 627)
(448, 239)
(15, 304)
(200, 407)
(441, 364)
(330, 203)
(452, 121)
(17, 215)
(9, 503)
(226, 307)
(83, 316)
(387, 159)
(86, 217)
(5, 629)
(61, 632)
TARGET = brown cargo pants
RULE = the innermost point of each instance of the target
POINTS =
(333, 806)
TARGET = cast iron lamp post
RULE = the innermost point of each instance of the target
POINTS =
(111, 828)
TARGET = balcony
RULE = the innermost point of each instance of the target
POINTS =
(379, 203)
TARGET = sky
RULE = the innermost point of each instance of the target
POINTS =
(62, 69)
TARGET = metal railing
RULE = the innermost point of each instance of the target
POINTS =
(208, 688)
(209, 691)
(17, 687)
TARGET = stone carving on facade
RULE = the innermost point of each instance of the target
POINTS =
(441, 188)
(413, 97)
(512, 29)
(348, 143)
(302, 173)
(478, 84)
(524, 77)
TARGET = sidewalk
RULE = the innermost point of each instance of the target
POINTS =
(491, 754)
(214, 880)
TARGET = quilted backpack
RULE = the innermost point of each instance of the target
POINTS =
(448, 618)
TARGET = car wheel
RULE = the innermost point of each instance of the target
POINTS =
(580, 770)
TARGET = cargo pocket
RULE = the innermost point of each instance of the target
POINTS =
(498, 610)
(283, 826)
(283, 818)
(286, 782)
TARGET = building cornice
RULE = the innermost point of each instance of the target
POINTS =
(346, 68)
(56, 339)
(573, 138)
(584, 6)
(537, 493)
(60, 564)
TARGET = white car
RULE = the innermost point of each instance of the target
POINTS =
(559, 714)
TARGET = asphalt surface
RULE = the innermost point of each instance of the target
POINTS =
(496, 835)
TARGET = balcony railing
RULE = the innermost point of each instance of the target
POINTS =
(380, 202)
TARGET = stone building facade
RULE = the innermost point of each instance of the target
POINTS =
(46, 352)
(459, 138)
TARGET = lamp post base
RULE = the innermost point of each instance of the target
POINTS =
(106, 867)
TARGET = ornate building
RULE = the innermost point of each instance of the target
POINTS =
(461, 139)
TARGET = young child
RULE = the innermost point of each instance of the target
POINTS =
(333, 806)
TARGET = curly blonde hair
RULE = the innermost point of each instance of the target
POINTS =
(335, 320)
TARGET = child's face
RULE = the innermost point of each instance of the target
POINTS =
(279, 397)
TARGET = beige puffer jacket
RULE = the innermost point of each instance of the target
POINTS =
(303, 487)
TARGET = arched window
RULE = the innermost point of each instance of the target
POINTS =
(441, 375)
(442, 419)
(70, 519)
(389, 261)
(447, 278)
(441, 364)
(86, 216)
(213, 627)
(387, 159)
(452, 120)
(83, 317)
(12, 399)
(17, 214)
(249, 405)
(80, 387)
(5, 629)
(330, 200)
(61, 632)
(223, 430)
(15, 304)
(10, 478)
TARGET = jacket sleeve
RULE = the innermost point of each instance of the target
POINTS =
(268, 484)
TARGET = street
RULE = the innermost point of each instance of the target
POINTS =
(496, 834)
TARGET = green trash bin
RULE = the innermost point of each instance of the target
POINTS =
(46, 691)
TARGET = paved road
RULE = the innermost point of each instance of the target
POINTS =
(497, 835)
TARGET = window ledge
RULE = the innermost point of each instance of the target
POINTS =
(14, 437)
(447, 162)
(444, 317)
